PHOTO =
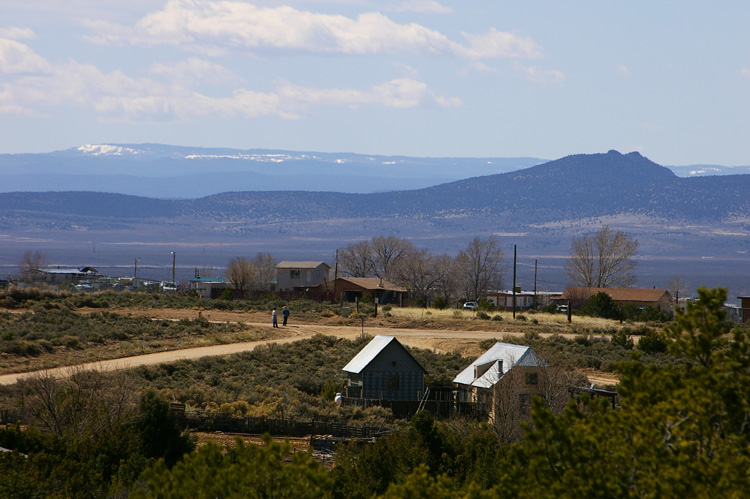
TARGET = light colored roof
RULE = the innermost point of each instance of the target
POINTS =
(210, 279)
(59, 270)
(511, 355)
(372, 350)
(617, 294)
(372, 283)
(288, 264)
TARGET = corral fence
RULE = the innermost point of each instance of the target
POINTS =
(198, 420)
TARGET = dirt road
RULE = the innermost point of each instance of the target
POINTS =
(464, 342)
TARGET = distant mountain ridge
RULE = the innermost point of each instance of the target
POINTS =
(181, 172)
(699, 224)
(162, 171)
(578, 186)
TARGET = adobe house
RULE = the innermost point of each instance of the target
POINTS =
(385, 370)
(290, 274)
(744, 308)
(504, 377)
(351, 289)
(660, 299)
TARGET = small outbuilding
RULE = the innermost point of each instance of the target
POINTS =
(385, 370)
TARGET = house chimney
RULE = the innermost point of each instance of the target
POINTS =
(480, 369)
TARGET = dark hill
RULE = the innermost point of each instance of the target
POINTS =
(574, 187)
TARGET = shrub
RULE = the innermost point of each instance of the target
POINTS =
(521, 318)
(483, 315)
(440, 303)
(622, 339)
(497, 317)
(652, 343)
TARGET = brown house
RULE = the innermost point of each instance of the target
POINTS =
(744, 308)
(660, 299)
(351, 289)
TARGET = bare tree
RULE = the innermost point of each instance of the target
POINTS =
(388, 253)
(30, 265)
(419, 273)
(481, 265)
(677, 287)
(263, 271)
(447, 277)
(357, 260)
(604, 259)
(82, 402)
(240, 274)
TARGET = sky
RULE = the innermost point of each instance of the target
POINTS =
(430, 78)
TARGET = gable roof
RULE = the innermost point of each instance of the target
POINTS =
(371, 351)
(510, 355)
(617, 294)
(289, 264)
(373, 283)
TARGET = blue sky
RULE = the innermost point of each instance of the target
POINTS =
(417, 77)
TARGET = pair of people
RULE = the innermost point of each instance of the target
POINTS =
(275, 319)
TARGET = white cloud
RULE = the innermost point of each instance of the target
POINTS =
(499, 44)
(195, 70)
(542, 76)
(745, 72)
(17, 33)
(623, 69)
(15, 57)
(171, 94)
(216, 27)
(420, 6)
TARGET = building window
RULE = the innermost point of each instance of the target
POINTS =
(532, 378)
(294, 274)
(393, 383)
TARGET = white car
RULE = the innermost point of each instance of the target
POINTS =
(470, 305)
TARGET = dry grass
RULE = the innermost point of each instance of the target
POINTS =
(458, 315)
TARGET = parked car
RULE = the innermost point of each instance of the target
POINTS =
(470, 305)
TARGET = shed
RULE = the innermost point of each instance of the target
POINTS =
(385, 370)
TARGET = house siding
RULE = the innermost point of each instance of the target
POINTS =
(375, 377)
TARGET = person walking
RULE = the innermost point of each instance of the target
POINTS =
(274, 318)
(285, 315)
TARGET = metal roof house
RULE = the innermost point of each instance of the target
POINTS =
(505, 376)
(385, 370)
(209, 287)
(291, 274)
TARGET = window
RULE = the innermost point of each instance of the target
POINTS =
(532, 378)
(294, 274)
(393, 383)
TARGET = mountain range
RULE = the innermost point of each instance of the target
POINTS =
(696, 227)
(176, 172)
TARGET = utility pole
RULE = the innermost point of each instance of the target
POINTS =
(535, 262)
(514, 281)
(174, 257)
(135, 274)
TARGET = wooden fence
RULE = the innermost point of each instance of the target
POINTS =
(220, 421)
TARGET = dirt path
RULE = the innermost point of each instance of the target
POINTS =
(464, 342)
